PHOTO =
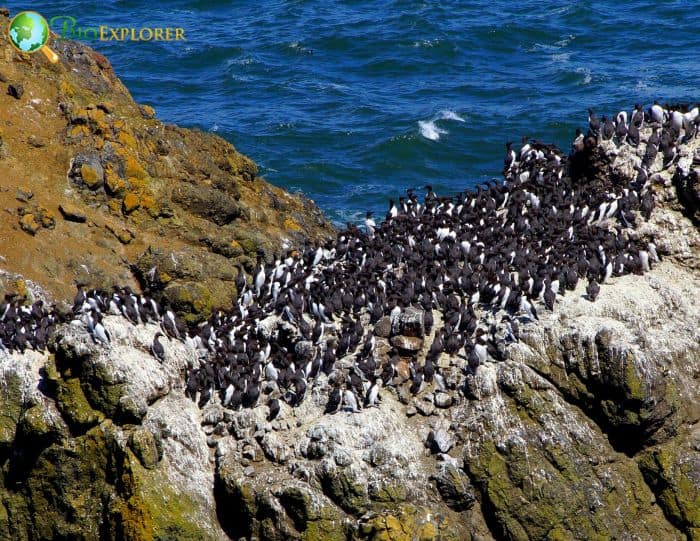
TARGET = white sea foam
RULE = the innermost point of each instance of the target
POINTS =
(446, 114)
(245, 61)
(561, 58)
(427, 43)
(564, 42)
(429, 130)
(587, 77)
(344, 216)
(298, 47)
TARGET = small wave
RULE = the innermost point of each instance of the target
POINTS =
(587, 76)
(320, 85)
(427, 43)
(241, 78)
(563, 9)
(561, 58)
(246, 61)
(542, 47)
(446, 114)
(299, 48)
(430, 130)
(214, 128)
(341, 217)
(551, 48)
(564, 42)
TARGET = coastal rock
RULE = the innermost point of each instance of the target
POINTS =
(409, 323)
(142, 183)
(454, 487)
(87, 170)
(409, 344)
(588, 429)
(383, 327)
(29, 224)
(443, 400)
(16, 90)
(72, 213)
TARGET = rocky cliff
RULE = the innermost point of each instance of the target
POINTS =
(588, 430)
(95, 190)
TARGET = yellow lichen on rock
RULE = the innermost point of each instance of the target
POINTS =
(90, 175)
(131, 202)
(291, 225)
(116, 185)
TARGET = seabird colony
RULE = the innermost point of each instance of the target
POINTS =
(486, 260)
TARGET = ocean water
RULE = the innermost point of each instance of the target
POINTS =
(352, 102)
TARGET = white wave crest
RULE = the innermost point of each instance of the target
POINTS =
(587, 76)
(429, 128)
(446, 114)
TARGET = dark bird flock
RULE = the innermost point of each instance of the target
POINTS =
(487, 260)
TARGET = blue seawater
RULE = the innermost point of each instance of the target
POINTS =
(351, 102)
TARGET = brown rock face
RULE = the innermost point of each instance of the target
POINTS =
(125, 183)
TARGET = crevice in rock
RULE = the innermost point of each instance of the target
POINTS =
(490, 513)
(657, 486)
(626, 440)
(617, 442)
(232, 515)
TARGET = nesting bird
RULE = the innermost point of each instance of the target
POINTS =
(505, 248)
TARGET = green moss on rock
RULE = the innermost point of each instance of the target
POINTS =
(167, 513)
(533, 488)
(143, 443)
(349, 493)
(672, 471)
(10, 409)
(74, 407)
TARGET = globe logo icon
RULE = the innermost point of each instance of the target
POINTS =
(29, 33)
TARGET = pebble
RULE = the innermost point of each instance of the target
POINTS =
(15, 90)
(443, 400)
(383, 327)
(342, 458)
(442, 441)
(410, 344)
(23, 195)
(424, 407)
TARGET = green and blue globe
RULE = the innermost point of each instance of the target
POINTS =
(29, 31)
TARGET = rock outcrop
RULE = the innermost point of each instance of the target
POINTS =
(588, 430)
(95, 190)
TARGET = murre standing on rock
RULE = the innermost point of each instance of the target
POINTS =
(157, 349)
(461, 274)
